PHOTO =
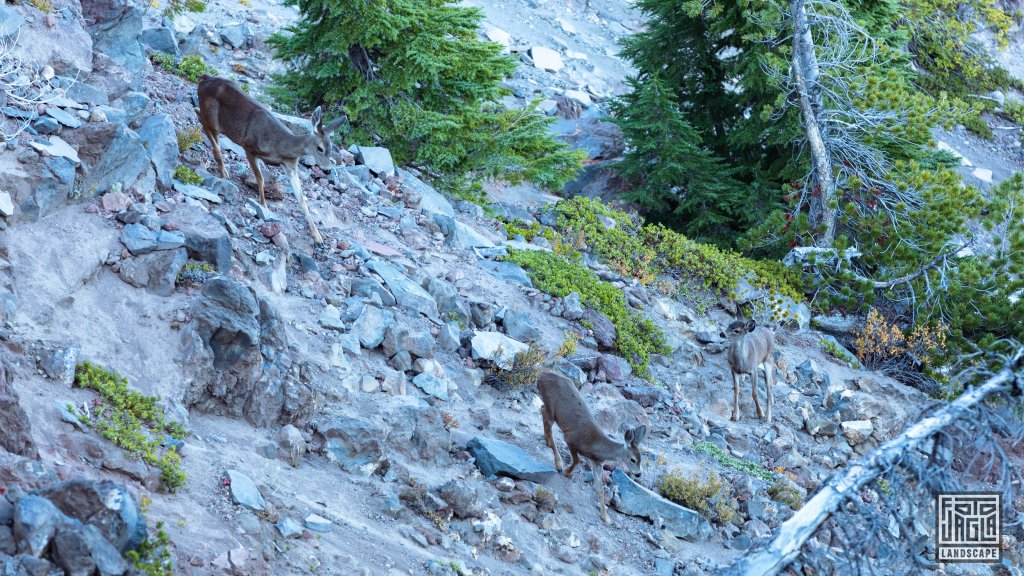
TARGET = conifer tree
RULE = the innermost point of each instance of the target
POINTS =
(413, 74)
(676, 180)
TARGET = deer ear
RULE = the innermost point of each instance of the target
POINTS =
(751, 325)
(317, 118)
(639, 433)
(334, 125)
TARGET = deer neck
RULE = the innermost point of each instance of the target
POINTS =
(297, 144)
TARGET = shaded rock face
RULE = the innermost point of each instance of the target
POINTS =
(106, 506)
(15, 430)
(237, 351)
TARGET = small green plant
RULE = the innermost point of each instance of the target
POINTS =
(784, 492)
(153, 557)
(189, 137)
(186, 175)
(569, 344)
(976, 124)
(838, 353)
(525, 369)
(190, 67)
(746, 466)
(195, 273)
(132, 421)
(43, 5)
(414, 496)
(884, 486)
(711, 497)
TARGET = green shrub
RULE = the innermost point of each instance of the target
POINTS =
(190, 67)
(747, 467)
(194, 273)
(415, 76)
(838, 353)
(647, 251)
(712, 498)
(559, 275)
(978, 126)
(526, 366)
(189, 137)
(784, 492)
(186, 175)
(153, 558)
(132, 421)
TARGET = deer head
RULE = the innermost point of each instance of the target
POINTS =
(633, 458)
(320, 147)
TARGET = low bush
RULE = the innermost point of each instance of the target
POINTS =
(153, 557)
(525, 369)
(132, 421)
(712, 497)
(186, 175)
(559, 275)
(189, 137)
(190, 67)
(746, 466)
(786, 493)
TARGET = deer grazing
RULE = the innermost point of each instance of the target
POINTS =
(750, 348)
(225, 109)
(564, 406)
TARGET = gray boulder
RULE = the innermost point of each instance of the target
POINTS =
(161, 141)
(431, 201)
(520, 326)
(497, 348)
(236, 35)
(15, 426)
(497, 458)
(107, 506)
(35, 522)
(157, 272)
(635, 500)
(449, 303)
(371, 326)
(507, 272)
(356, 444)
(160, 39)
(237, 355)
(459, 235)
(603, 329)
(377, 159)
(122, 163)
(244, 491)
(408, 294)
(436, 387)
(572, 307)
(205, 238)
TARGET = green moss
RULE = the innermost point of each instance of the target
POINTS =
(746, 466)
(559, 275)
(186, 175)
(712, 497)
(838, 353)
(132, 421)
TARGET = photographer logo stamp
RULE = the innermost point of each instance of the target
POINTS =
(968, 527)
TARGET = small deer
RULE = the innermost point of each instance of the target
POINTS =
(750, 347)
(225, 109)
(564, 406)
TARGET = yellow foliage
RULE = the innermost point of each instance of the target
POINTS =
(879, 341)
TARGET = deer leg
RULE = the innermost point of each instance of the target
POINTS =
(215, 144)
(255, 167)
(599, 486)
(575, 461)
(735, 397)
(549, 439)
(753, 391)
(769, 378)
(293, 173)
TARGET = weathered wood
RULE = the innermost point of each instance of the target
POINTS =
(784, 547)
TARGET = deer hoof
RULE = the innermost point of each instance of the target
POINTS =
(735, 417)
(604, 518)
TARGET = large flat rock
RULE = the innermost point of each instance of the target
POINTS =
(636, 500)
(498, 458)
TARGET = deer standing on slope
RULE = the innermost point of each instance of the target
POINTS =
(750, 348)
(564, 406)
(225, 109)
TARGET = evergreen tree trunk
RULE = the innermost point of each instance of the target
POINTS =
(805, 73)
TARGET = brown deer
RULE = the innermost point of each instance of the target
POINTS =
(564, 406)
(225, 109)
(750, 348)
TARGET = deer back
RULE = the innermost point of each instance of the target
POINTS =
(565, 405)
(747, 352)
(225, 109)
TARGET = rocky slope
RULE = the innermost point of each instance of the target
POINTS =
(341, 411)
